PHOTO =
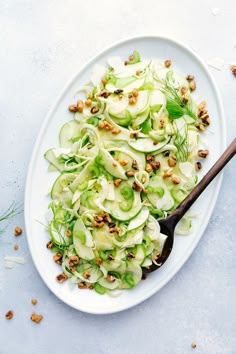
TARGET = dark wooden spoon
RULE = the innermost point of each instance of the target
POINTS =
(168, 225)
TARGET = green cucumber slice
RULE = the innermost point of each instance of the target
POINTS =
(114, 207)
(111, 165)
(68, 132)
(50, 156)
(146, 145)
(102, 239)
(160, 201)
(60, 189)
(139, 220)
(58, 234)
(83, 250)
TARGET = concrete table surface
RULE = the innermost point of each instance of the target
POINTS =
(42, 44)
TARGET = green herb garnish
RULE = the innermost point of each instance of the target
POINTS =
(13, 210)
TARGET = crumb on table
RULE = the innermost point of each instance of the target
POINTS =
(36, 318)
(9, 315)
(18, 231)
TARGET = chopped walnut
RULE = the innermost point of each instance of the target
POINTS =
(91, 286)
(203, 153)
(135, 165)
(107, 218)
(202, 112)
(101, 125)
(184, 99)
(167, 63)
(132, 99)
(110, 257)
(9, 315)
(193, 345)
(49, 245)
(233, 69)
(183, 90)
(99, 261)
(117, 182)
(68, 233)
(172, 161)
(131, 57)
(115, 131)
(124, 162)
(110, 278)
(88, 103)
(61, 277)
(161, 123)
(34, 301)
(118, 91)
(134, 135)
(73, 108)
(98, 225)
(156, 255)
(94, 109)
(201, 105)
(98, 218)
(82, 285)
(36, 318)
(58, 258)
(18, 231)
(175, 179)
(206, 119)
(200, 126)
(189, 77)
(16, 247)
(155, 142)
(192, 85)
(138, 72)
(73, 261)
(148, 167)
(108, 126)
(114, 164)
(135, 92)
(155, 165)
(86, 274)
(129, 173)
(198, 166)
(149, 157)
(130, 255)
(136, 186)
(80, 106)
(115, 229)
(167, 174)
(104, 93)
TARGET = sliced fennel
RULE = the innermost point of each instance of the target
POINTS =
(126, 160)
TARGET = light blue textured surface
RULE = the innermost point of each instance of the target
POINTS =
(42, 44)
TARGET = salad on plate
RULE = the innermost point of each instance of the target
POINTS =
(130, 154)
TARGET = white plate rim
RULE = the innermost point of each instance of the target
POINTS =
(160, 285)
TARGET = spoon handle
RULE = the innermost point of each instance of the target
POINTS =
(197, 191)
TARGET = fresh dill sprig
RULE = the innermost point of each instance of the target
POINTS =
(174, 105)
(13, 209)
(181, 142)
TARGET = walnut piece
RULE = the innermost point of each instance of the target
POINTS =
(9, 315)
(36, 318)
(18, 231)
